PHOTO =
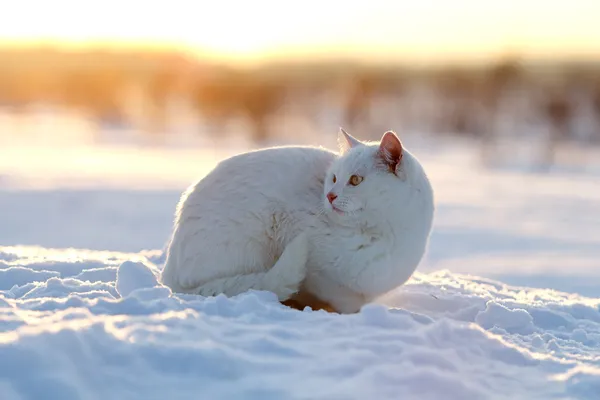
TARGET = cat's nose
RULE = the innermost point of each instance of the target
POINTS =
(331, 197)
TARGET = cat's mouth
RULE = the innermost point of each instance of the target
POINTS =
(337, 210)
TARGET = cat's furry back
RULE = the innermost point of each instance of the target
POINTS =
(232, 227)
(263, 220)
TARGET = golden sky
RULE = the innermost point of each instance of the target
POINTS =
(250, 30)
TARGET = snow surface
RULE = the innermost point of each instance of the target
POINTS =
(82, 315)
(79, 324)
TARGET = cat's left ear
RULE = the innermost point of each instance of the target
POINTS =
(346, 141)
(390, 150)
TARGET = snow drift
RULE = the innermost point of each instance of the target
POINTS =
(80, 324)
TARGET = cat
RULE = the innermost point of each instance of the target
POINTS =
(313, 226)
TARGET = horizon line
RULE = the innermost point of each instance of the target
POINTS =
(297, 56)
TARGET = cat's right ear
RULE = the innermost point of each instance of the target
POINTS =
(390, 150)
(346, 141)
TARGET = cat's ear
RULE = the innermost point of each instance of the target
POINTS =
(390, 150)
(346, 141)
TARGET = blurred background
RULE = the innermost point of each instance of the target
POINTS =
(109, 109)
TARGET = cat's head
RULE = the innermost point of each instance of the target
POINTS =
(375, 181)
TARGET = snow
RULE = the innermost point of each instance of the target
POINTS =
(506, 303)
(77, 329)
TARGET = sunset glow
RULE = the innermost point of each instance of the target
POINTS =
(426, 30)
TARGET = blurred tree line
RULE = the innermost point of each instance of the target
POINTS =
(114, 86)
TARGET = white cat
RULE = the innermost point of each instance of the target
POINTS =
(305, 223)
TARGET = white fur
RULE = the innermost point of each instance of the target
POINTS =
(261, 220)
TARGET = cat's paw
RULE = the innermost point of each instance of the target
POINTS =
(286, 276)
(290, 283)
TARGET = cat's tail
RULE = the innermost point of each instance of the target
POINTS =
(283, 279)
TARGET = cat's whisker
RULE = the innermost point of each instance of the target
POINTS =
(321, 211)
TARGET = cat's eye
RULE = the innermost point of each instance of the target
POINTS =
(355, 180)
(334, 179)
